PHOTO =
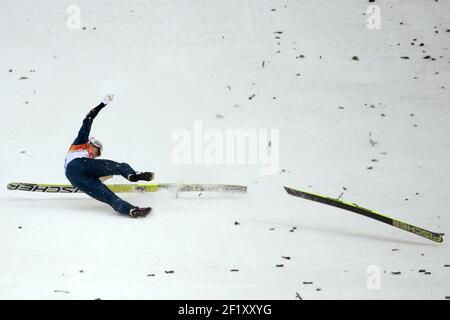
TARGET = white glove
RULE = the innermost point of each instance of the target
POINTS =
(108, 98)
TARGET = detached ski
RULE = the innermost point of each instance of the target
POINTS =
(433, 236)
(127, 188)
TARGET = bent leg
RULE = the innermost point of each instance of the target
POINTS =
(78, 174)
(97, 190)
(101, 167)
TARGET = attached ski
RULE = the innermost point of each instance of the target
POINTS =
(67, 188)
(127, 188)
(181, 187)
(437, 237)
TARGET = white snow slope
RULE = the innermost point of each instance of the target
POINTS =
(170, 63)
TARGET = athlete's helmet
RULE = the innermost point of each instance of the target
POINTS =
(97, 144)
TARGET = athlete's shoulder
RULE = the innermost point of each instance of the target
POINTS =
(79, 147)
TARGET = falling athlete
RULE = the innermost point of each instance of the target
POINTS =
(85, 171)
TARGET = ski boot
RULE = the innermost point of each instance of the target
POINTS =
(139, 212)
(146, 176)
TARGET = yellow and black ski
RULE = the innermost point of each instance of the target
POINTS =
(437, 237)
(125, 188)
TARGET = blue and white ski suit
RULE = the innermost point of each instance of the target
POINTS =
(84, 172)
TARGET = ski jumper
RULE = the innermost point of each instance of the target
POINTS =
(84, 172)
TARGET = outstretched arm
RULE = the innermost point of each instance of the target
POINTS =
(85, 130)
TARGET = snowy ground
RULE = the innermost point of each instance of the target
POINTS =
(172, 63)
